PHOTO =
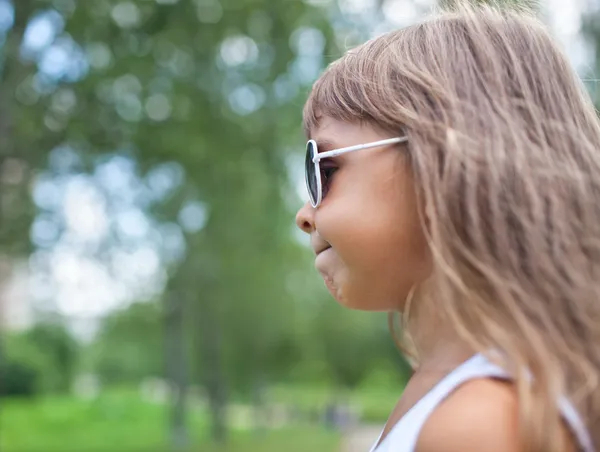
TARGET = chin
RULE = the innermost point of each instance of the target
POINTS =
(368, 301)
(364, 303)
(358, 300)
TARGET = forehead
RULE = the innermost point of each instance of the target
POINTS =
(340, 133)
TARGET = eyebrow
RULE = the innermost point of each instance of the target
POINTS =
(325, 145)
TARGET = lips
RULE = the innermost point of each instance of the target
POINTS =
(325, 248)
(318, 244)
(323, 260)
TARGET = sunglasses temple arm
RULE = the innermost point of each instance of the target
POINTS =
(358, 147)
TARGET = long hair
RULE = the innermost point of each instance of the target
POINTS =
(504, 144)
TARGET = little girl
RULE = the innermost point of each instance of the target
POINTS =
(453, 169)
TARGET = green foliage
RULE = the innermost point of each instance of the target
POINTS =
(41, 359)
(60, 350)
(129, 345)
(591, 32)
(531, 4)
(354, 344)
(215, 89)
(22, 357)
(19, 378)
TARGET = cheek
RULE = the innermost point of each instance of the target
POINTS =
(372, 221)
(383, 252)
(396, 259)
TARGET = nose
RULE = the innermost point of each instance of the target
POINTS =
(305, 218)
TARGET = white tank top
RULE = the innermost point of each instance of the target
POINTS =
(403, 436)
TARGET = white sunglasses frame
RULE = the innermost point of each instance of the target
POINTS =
(317, 157)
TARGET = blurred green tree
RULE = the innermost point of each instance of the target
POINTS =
(41, 359)
(214, 87)
(60, 350)
(128, 346)
(204, 96)
(21, 368)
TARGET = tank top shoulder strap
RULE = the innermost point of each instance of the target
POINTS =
(404, 435)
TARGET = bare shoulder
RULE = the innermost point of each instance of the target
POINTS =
(480, 415)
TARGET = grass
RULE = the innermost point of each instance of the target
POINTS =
(65, 423)
(120, 420)
(298, 439)
(375, 403)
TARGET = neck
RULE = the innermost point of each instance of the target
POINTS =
(443, 355)
(438, 345)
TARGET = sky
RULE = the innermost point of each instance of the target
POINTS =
(70, 276)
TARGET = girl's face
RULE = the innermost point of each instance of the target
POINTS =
(367, 235)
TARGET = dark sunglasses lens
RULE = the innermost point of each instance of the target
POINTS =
(311, 176)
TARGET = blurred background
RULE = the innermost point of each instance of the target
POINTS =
(155, 294)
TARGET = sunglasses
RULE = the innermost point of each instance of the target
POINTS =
(316, 178)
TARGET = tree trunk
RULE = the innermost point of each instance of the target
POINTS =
(176, 370)
(9, 79)
(259, 402)
(210, 347)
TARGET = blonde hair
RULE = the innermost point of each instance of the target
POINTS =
(504, 144)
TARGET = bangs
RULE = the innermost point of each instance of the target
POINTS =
(348, 90)
(374, 83)
(331, 96)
